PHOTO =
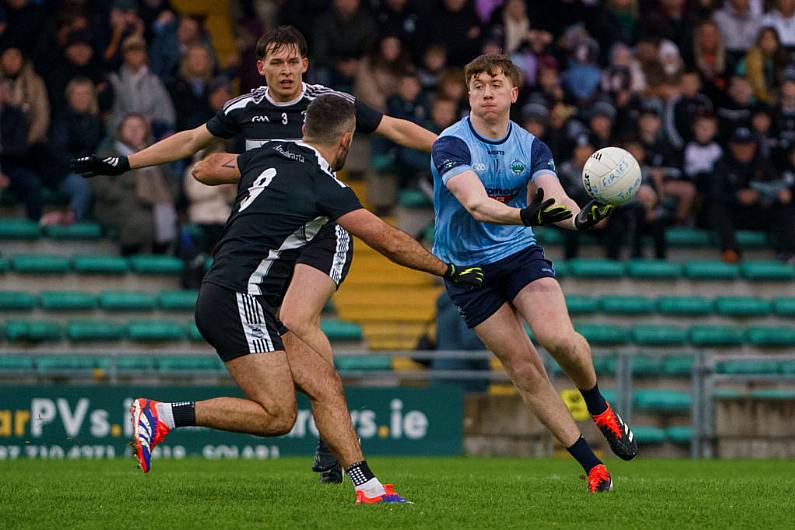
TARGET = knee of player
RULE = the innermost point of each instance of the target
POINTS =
(527, 375)
(284, 421)
(299, 322)
(561, 343)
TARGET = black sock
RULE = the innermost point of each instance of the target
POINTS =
(359, 473)
(184, 413)
(584, 454)
(594, 400)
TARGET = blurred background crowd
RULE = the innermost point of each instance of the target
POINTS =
(702, 92)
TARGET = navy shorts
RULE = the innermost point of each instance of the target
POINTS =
(502, 281)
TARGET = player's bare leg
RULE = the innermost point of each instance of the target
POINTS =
(307, 294)
(542, 305)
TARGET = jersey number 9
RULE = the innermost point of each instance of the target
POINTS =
(260, 183)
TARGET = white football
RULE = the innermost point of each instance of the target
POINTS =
(611, 176)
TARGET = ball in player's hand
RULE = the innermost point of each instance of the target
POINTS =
(611, 176)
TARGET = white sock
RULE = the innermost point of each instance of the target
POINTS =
(371, 488)
(165, 414)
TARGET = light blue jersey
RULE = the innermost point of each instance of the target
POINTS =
(505, 167)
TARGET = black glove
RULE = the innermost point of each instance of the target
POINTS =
(91, 166)
(469, 276)
(544, 212)
(591, 214)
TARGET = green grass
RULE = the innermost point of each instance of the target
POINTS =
(448, 493)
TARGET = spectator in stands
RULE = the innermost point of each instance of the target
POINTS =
(510, 25)
(138, 90)
(782, 18)
(735, 112)
(21, 25)
(624, 19)
(702, 152)
(124, 24)
(399, 18)
(766, 139)
(556, 133)
(457, 23)
(682, 109)
(581, 79)
(26, 90)
(647, 54)
(340, 38)
(16, 172)
(600, 124)
(76, 131)
(739, 26)
(139, 204)
(710, 59)
(189, 89)
(380, 72)
(549, 80)
(643, 215)
(670, 20)
(746, 192)
(433, 66)
(784, 122)
(570, 175)
(451, 86)
(534, 117)
(173, 38)
(762, 64)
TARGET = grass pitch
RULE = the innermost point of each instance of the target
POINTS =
(448, 493)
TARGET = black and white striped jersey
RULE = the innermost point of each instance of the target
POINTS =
(261, 119)
(287, 193)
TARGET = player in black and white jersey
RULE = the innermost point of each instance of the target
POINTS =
(287, 192)
(273, 112)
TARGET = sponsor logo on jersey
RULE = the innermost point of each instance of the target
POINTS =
(502, 194)
(479, 166)
(496, 152)
(517, 166)
(289, 154)
(260, 118)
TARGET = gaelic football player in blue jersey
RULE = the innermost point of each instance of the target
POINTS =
(493, 181)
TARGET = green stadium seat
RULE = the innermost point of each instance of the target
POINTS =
(414, 199)
(771, 336)
(653, 269)
(679, 434)
(647, 435)
(727, 393)
(767, 271)
(15, 363)
(549, 236)
(155, 330)
(715, 336)
(677, 366)
(626, 305)
(70, 362)
(40, 264)
(135, 363)
(787, 367)
(581, 305)
(747, 367)
(16, 301)
(684, 306)
(94, 330)
(178, 300)
(33, 330)
(610, 394)
(83, 231)
(773, 394)
(100, 264)
(18, 229)
(658, 335)
(67, 301)
(3, 265)
(603, 334)
(127, 301)
(682, 236)
(561, 269)
(156, 264)
(193, 332)
(363, 362)
(341, 330)
(595, 268)
(647, 365)
(751, 239)
(183, 363)
(784, 307)
(604, 364)
(711, 270)
(741, 306)
(662, 401)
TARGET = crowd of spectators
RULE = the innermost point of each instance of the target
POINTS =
(702, 92)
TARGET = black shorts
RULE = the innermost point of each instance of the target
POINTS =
(330, 251)
(237, 324)
(502, 281)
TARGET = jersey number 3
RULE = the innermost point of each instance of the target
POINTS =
(259, 185)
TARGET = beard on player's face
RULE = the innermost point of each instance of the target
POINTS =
(342, 154)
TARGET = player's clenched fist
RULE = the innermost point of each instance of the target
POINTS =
(91, 166)
(471, 276)
(544, 212)
(591, 214)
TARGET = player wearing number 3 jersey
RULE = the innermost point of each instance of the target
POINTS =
(490, 181)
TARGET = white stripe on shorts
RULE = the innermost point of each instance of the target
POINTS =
(254, 326)
(340, 254)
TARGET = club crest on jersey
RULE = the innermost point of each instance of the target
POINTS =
(517, 166)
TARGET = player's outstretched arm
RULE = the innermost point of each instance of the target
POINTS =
(401, 248)
(175, 147)
(217, 168)
(406, 133)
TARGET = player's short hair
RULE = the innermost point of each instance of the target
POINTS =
(274, 39)
(328, 117)
(493, 64)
